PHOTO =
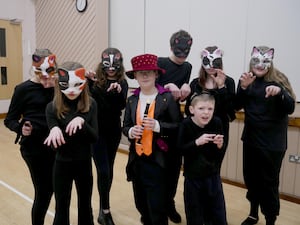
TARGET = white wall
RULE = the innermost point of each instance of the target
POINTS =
(23, 10)
(235, 26)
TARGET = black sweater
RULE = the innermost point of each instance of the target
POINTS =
(204, 160)
(266, 119)
(110, 105)
(28, 103)
(77, 146)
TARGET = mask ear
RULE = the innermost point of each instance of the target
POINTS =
(270, 53)
(255, 51)
(36, 58)
(80, 73)
(52, 59)
(218, 52)
(204, 53)
(62, 72)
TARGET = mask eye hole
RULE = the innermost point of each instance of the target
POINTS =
(255, 60)
(78, 84)
(217, 64)
(205, 61)
(64, 84)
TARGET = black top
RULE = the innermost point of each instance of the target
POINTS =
(175, 73)
(266, 119)
(28, 103)
(77, 146)
(199, 161)
(110, 105)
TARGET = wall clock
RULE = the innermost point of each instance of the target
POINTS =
(81, 5)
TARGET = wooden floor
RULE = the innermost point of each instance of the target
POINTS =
(16, 194)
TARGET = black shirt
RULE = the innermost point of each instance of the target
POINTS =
(199, 161)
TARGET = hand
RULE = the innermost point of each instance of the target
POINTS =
(272, 90)
(74, 125)
(115, 86)
(26, 128)
(149, 123)
(174, 90)
(185, 91)
(204, 139)
(55, 138)
(91, 75)
(137, 131)
(219, 78)
(219, 140)
(246, 79)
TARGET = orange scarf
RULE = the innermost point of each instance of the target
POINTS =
(145, 144)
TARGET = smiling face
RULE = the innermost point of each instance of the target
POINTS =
(71, 83)
(261, 60)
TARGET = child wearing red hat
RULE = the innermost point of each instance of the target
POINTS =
(150, 122)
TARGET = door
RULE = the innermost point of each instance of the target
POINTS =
(10, 57)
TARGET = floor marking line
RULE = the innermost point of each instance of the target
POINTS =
(22, 195)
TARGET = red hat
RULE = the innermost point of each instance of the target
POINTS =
(142, 63)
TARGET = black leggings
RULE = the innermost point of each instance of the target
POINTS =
(261, 169)
(104, 154)
(40, 168)
(64, 173)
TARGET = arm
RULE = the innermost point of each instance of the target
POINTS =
(15, 111)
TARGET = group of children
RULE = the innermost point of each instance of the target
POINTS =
(77, 116)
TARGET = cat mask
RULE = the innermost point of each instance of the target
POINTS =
(111, 60)
(44, 66)
(72, 82)
(181, 47)
(262, 57)
(212, 60)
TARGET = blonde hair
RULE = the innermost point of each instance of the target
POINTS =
(274, 75)
(84, 101)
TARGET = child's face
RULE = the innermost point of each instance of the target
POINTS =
(146, 78)
(202, 112)
(71, 83)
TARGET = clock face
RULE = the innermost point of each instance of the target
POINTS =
(81, 5)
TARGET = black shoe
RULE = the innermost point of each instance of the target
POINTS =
(250, 221)
(105, 219)
(174, 216)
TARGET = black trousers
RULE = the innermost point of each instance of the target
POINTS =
(64, 174)
(174, 162)
(104, 154)
(261, 168)
(40, 167)
(149, 192)
(204, 195)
